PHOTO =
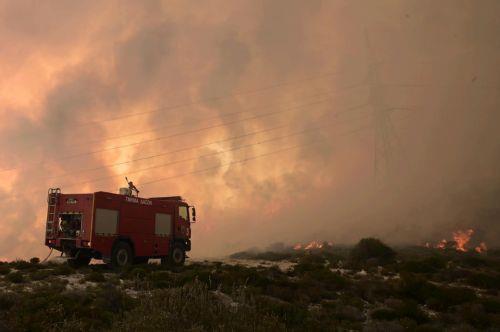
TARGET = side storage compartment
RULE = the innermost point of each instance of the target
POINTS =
(106, 222)
(163, 232)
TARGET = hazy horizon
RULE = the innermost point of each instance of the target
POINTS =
(265, 115)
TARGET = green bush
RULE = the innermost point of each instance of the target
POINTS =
(491, 305)
(229, 276)
(7, 300)
(330, 280)
(4, 269)
(401, 310)
(484, 280)
(193, 308)
(475, 315)
(40, 274)
(473, 261)
(385, 314)
(427, 265)
(63, 270)
(15, 277)
(95, 276)
(371, 250)
(23, 265)
(35, 260)
(111, 298)
(292, 315)
(137, 273)
(268, 255)
(348, 312)
(310, 262)
(49, 307)
(437, 297)
(373, 290)
(161, 279)
(214, 296)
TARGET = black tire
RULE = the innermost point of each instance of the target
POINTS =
(177, 256)
(122, 255)
(80, 261)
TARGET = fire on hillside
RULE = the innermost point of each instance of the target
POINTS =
(461, 242)
(312, 245)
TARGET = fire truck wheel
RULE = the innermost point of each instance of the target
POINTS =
(178, 255)
(79, 262)
(122, 255)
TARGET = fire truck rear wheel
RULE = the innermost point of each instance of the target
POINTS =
(79, 262)
(122, 255)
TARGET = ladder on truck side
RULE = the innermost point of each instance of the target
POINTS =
(52, 199)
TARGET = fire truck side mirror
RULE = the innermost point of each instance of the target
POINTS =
(193, 213)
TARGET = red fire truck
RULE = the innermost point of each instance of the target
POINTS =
(120, 229)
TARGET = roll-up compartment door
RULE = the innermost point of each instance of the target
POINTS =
(106, 221)
(163, 224)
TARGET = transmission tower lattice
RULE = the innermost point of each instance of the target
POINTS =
(385, 138)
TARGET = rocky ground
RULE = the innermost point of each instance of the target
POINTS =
(369, 287)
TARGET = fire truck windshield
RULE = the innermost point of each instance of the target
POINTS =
(183, 212)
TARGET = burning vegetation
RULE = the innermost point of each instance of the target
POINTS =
(313, 245)
(461, 242)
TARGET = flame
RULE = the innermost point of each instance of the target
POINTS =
(481, 248)
(442, 244)
(312, 245)
(462, 238)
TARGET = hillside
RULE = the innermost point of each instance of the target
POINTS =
(328, 288)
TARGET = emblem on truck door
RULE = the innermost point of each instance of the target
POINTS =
(71, 201)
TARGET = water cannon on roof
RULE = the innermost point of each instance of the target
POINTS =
(130, 190)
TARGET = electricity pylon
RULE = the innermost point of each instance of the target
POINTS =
(384, 134)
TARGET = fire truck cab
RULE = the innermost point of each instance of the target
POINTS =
(120, 229)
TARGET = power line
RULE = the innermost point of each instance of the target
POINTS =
(245, 160)
(193, 147)
(88, 153)
(301, 132)
(228, 96)
(195, 130)
(215, 153)
(222, 165)
(286, 110)
(172, 151)
(439, 85)
(211, 99)
(241, 161)
(229, 164)
(215, 117)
